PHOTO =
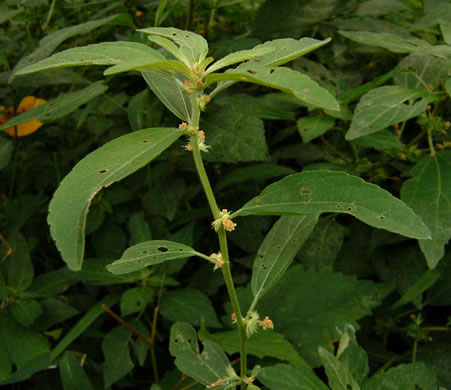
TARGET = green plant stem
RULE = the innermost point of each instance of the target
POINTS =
(221, 236)
(414, 351)
(431, 143)
(49, 15)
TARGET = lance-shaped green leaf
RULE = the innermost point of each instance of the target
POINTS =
(107, 53)
(50, 42)
(279, 249)
(314, 192)
(108, 164)
(73, 376)
(206, 367)
(428, 192)
(284, 79)
(170, 91)
(239, 56)
(193, 47)
(143, 65)
(59, 107)
(385, 106)
(288, 49)
(288, 377)
(150, 253)
(340, 378)
(394, 43)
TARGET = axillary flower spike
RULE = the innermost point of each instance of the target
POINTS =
(217, 257)
(224, 221)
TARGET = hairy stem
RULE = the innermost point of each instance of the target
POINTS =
(221, 236)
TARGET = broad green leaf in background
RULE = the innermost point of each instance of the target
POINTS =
(448, 86)
(428, 192)
(108, 164)
(394, 43)
(118, 363)
(404, 377)
(137, 110)
(424, 283)
(150, 253)
(311, 127)
(446, 31)
(106, 53)
(39, 363)
(206, 367)
(294, 17)
(284, 79)
(170, 91)
(135, 299)
(386, 106)
(254, 172)
(323, 244)
(6, 149)
(18, 345)
(73, 376)
(235, 134)
(422, 72)
(189, 305)
(19, 264)
(278, 249)
(340, 378)
(310, 307)
(25, 311)
(58, 107)
(48, 284)
(49, 43)
(380, 7)
(7, 14)
(383, 140)
(261, 344)
(314, 192)
(84, 323)
(288, 377)
(139, 229)
(436, 13)
(193, 47)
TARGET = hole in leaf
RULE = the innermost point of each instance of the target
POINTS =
(144, 252)
(381, 217)
(338, 206)
(162, 249)
(176, 340)
(139, 261)
(260, 256)
(271, 71)
(305, 191)
(103, 170)
(251, 71)
(145, 141)
(264, 267)
(278, 247)
(174, 34)
(349, 208)
(181, 250)
(293, 240)
(154, 257)
(186, 36)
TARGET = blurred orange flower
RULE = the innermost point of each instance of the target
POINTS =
(26, 128)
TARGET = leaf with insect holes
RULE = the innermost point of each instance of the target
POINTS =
(279, 249)
(284, 79)
(206, 367)
(106, 53)
(315, 192)
(170, 91)
(192, 47)
(150, 253)
(110, 163)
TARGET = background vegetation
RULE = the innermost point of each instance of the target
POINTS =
(388, 64)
